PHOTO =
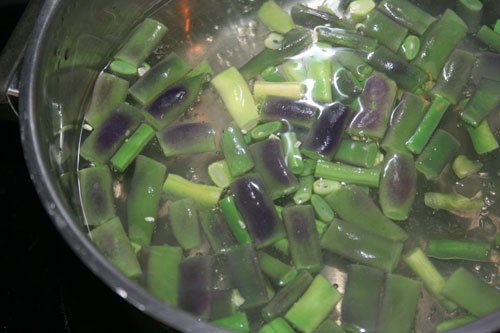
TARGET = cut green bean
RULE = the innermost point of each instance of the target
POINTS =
(432, 279)
(360, 305)
(184, 223)
(463, 166)
(293, 158)
(309, 167)
(452, 202)
(406, 75)
(219, 174)
(143, 199)
(357, 153)
(274, 17)
(203, 195)
(377, 25)
(123, 69)
(349, 174)
(429, 123)
(292, 90)
(486, 67)
(163, 272)
(345, 86)
(110, 134)
(235, 150)
(96, 195)
(398, 185)
(110, 238)
(282, 247)
(286, 296)
(471, 11)
(353, 242)
(174, 102)
(377, 102)
(399, 304)
(297, 113)
(407, 14)
(489, 37)
(404, 121)
(358, 9)
(324, 187)
(237, 97)
(217, 231)
(265, 130)
(272, 74)
(277, 271)
(294, 70)
(449, 324)
(303, 237)
(321, 227)
(159, 78)
(319, 72)
(439, 41)
(293, 43)
(441, 150)
(312, 18)
(132, 147)
(321, 208)
(143, 40)
(271, 166)
(329, 326)
(248, 276)
(187, 138)
(482, 138)
(304, 190)
(278, 325)
(347, 201)
(314, 306)
(455, 249)
(471, 293)
(195, 282)
(234, 220)
(484, 101)
(202, 68)
(354, 63)
(346, 38)
(410, 47)
(237, 322)
(454, 76)
(109, 91)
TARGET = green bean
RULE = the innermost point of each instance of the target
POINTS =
(184, 223)
(455, 249)
(309, 167)
(320, 74)
(311, 18)
(321, 208)
(360, 305)
(143, 199)
(346, 38)
(441, 150)
(304, 190)
(110, 238)
(324, 187)
(274, 17)
(109, 91)
(282, 246)
(272, 74)
(123, 69)
(293, 158)
(452, 202)
(132, 147)
(428, 125)
(358, 9)
(439, 41)
(217, 231)
(357, 153)
(356, 207)
(432, 279)
(348, 174)
(407, 14)
(187, 138)
(159, 78)
(265, 130)
(405, 119)
(294, 70)
(482, 138)
(345, 86)
(163, 272)
(489, 37)
(328, 326)
(314, 306)
(410, 47)
(388, 32)
(143, 40)
(484, 101)
(203, 68)
(235, 150)
(203, 195)
(279, 272)
(303, 237)
(350, 241)
(96, 193)
(219, 174)
(454, 76)
(291, 90)
(234, 220)
(463, 166)
(449, 324)
(354, 63)
(238, 99)
(237, 322)
(471, 11)
(471, 293)
(278, 325)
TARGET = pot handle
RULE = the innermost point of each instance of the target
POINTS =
(13, 53)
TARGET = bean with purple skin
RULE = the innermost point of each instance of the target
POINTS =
(187, 138)
(297, 113)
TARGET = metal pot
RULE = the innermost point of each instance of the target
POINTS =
(70, 43)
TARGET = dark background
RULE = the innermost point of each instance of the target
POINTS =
(44, 286)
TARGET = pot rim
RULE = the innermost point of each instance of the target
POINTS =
(61, 217)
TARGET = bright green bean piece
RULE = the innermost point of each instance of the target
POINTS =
(235, 323)
(202, 68)
(407, 14)
(278, 325)
(123, 69)
(291, 90)
(324, 187)
(346, 38)
(358, 153)
(304, 190)
(328, 326)
(321, 208)
(203, 195)
(294, 70)
(345, 173)
(163, 272)
(471, 11)
(482, 138)
(234, 220)
(277, 271)
(184, 223)
(463, 166)
(275, 18)
(219, 173)
(265, 130)
(455, 249)
(489, 37)
(132, 147)
(452, 202)
(235, 150)
(410, 47)
(484, 101)
(378, 26)
(320, 74)
(441, 150)
(293, 158)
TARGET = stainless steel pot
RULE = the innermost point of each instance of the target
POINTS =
(70, 43)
